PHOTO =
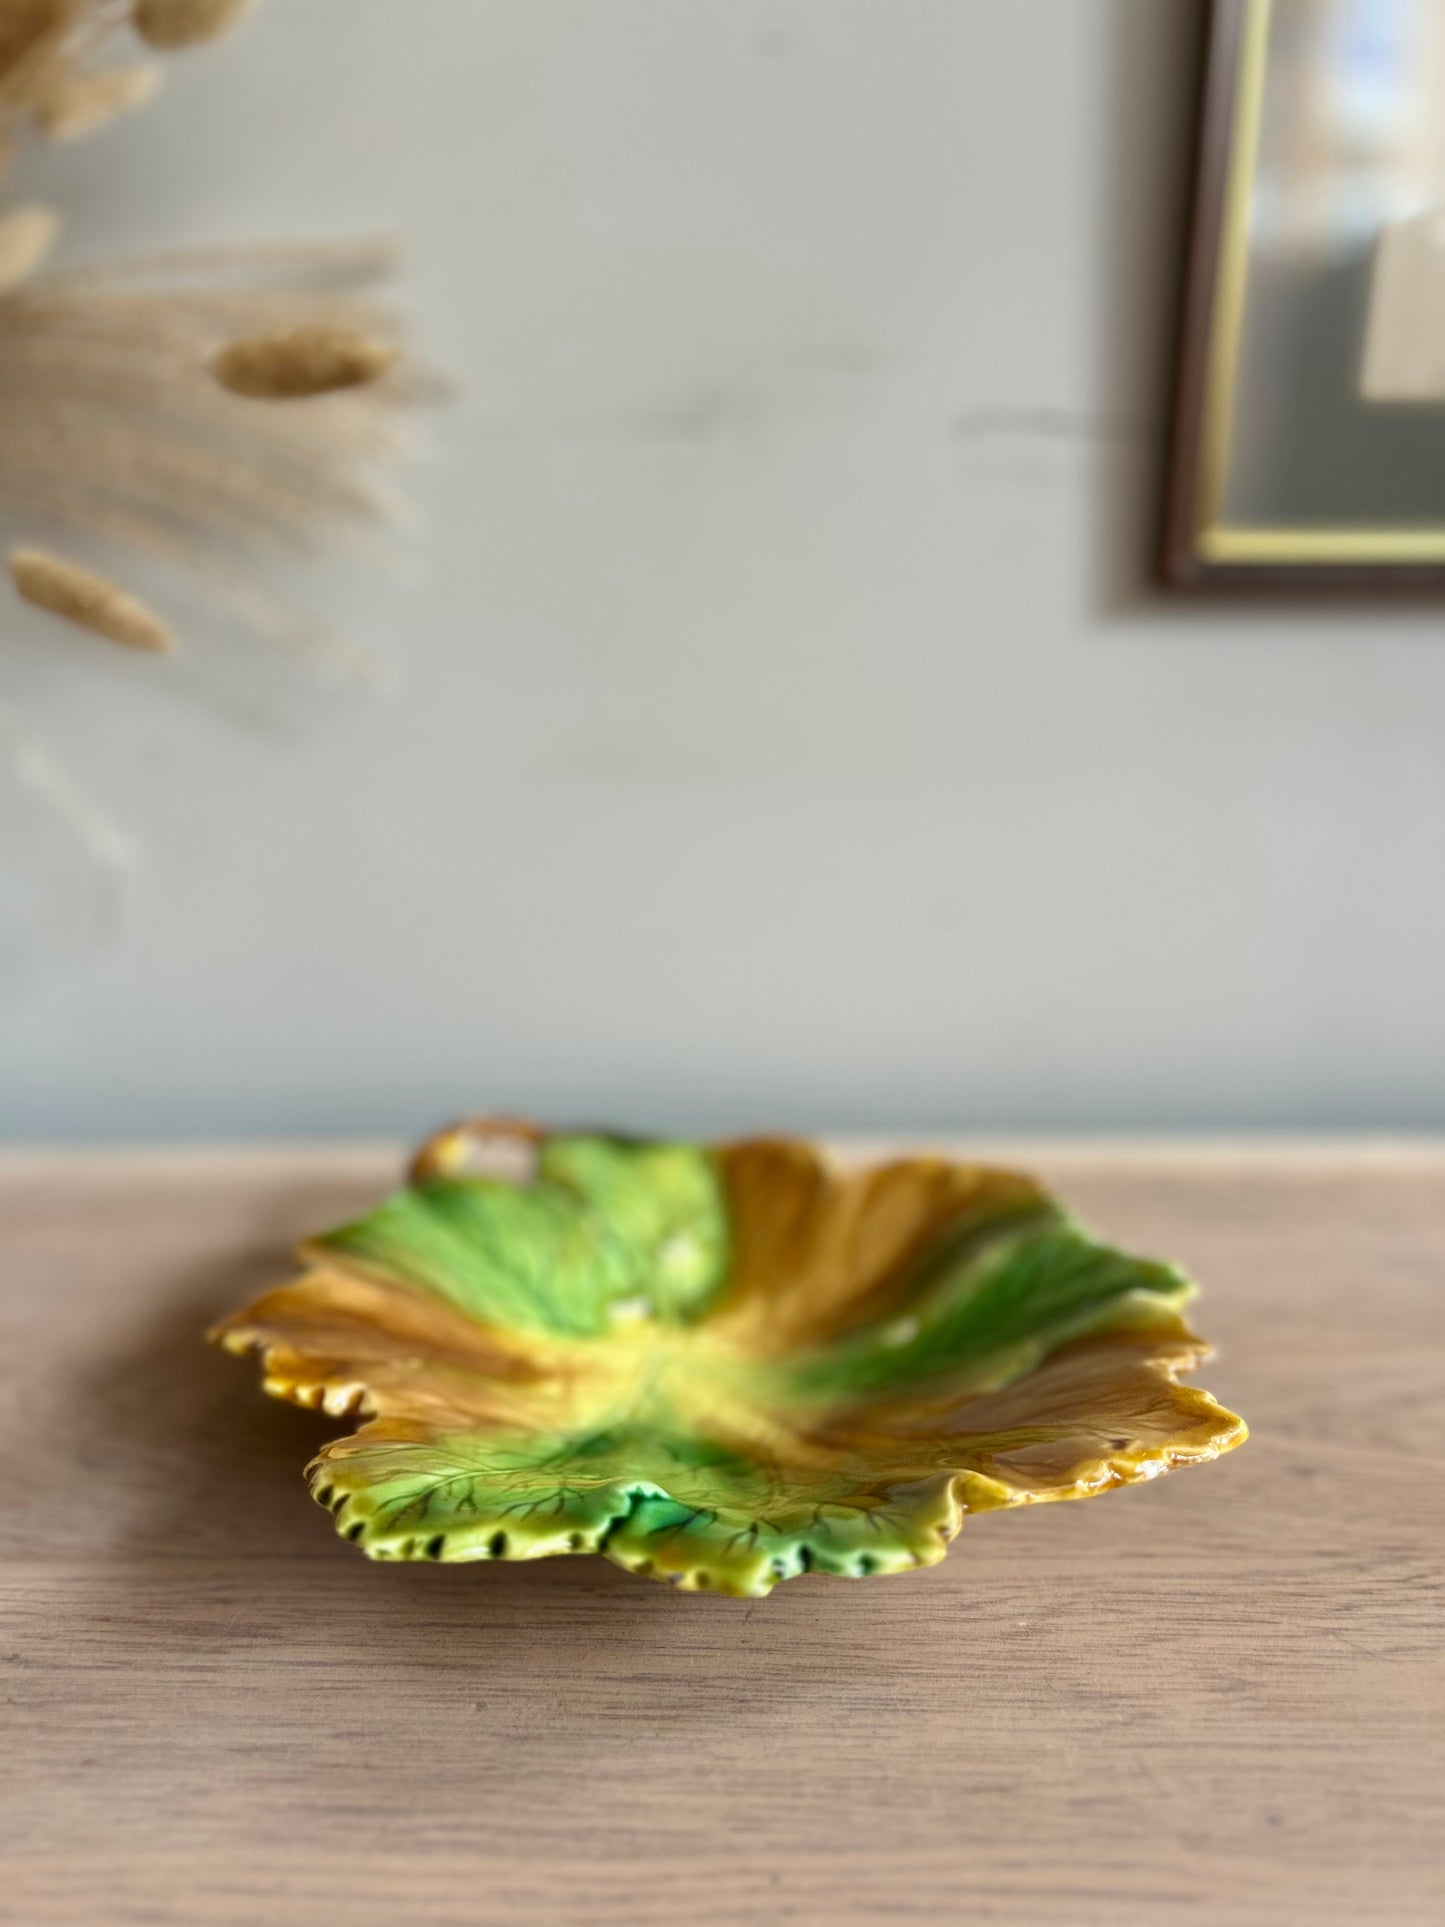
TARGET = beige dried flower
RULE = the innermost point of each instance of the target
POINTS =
(27, 27)
(27, 234)
(113, 430)
(77, 104)
(185, 23)
(117, 428)
(91, 600)
(314, 360)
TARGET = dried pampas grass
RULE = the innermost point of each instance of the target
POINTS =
(138, 400)
(48, 51)
(27, 234)
(113, 428)
(170, 24)
(315, 360)
(109, 853)
(128, 394)
(50, 82)
(75, 105)
(89, 600)
(28, 30)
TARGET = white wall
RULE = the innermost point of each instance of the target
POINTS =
(787, 735)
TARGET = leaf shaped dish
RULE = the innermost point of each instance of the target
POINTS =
(721, 1366)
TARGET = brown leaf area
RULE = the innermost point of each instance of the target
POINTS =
(349, 1345)
(818, 1251)
(1101, 1412)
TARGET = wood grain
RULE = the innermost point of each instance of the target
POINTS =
(1218, 1697)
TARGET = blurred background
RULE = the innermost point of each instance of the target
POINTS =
(788, 733)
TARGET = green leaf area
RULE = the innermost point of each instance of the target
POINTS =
(607, 1223)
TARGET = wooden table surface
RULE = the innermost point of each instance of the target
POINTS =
(1218, 1697)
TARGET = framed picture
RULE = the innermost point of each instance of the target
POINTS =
(1309, 423)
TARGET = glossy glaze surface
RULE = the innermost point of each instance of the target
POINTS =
(722, 1366)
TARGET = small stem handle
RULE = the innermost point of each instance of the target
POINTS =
(449, 1151)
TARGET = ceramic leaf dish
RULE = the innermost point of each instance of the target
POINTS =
(721, 1366)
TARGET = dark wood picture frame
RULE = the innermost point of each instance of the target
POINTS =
(1197, 553)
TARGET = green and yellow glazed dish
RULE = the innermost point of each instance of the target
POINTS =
(721, 1366)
